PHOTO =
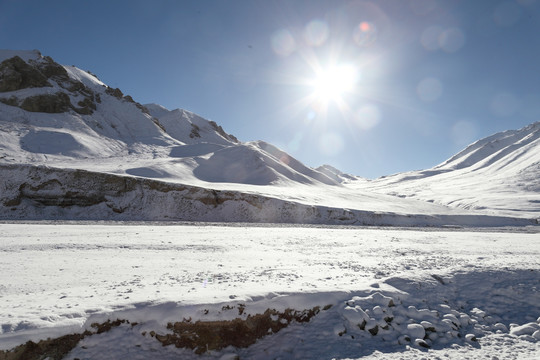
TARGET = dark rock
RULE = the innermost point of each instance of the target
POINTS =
(87, 106)
(50, 68)
(222, 132)
(47, 103)
(194, 131)
(422, 343)
(117, 93)
(16, 74)
(374, 331)
(362, 325)
(11, 101)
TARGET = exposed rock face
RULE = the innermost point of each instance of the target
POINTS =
(117, 93)
(87, 106)
(222, 132)
(12, 101)
(16, 74)
(194, 131)
(50, 68)
(47, 103)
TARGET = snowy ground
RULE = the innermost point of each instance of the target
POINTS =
(464, 293)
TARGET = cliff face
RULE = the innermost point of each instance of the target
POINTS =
(37, 192)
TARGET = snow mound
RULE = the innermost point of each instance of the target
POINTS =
(335, 174)
(190, 128)
(236, 164)
(51, 142)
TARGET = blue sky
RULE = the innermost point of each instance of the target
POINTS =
(424, 77)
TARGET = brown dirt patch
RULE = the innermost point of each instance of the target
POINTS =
(55, 349)
(202, 336)
(199, 336)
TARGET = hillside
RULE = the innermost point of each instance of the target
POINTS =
(73, 148)
(499, 174)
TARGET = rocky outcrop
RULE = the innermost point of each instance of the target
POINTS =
(117, 93)
(222, 132)
(16, 74)
(51, 69)
(47, 103)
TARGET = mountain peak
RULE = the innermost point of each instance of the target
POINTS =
(63, 115)
(26, 55)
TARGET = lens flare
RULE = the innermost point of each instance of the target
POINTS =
(365, 34)
(316, 33)
(451, 40)
(430, 37)
(283, 43)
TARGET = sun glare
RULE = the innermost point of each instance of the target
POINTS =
(333, 83)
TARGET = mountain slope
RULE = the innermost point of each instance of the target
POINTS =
(67, 117)
(498, 174)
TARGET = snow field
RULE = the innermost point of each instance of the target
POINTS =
(436, 288)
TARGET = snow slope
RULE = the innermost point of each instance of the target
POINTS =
(496, 175)
(54, 119)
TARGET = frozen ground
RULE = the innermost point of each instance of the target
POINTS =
(467, 294)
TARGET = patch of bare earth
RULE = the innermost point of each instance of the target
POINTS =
(55, 349)
(200, 336)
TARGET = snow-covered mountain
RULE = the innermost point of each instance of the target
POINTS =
(72, 147)
(498, 174)
(56, 114)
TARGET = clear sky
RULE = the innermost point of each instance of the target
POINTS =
(370, 87)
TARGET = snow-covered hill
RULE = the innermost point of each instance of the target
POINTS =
(499, 174)
(66, 117)
(73, 148)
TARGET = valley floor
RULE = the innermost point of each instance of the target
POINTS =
(392, 293)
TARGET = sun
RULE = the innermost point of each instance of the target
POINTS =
(333, 83)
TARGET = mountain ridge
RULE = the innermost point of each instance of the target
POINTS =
(504, 168)
(115, 120)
